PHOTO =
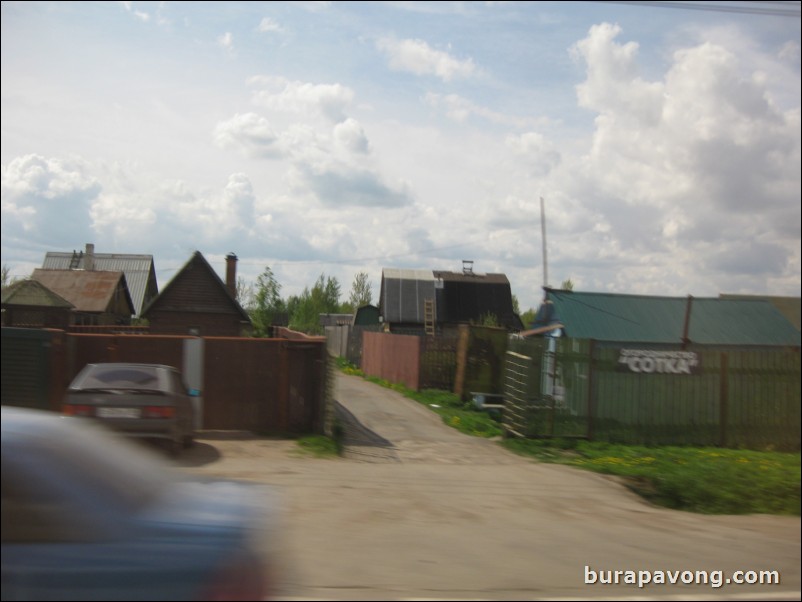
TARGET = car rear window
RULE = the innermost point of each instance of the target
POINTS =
(122, 378)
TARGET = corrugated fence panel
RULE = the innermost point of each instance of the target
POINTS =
(392, 357)
(243, 381)
(25, 367)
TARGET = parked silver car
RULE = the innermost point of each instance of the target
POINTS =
(88, 515)
(140, 400)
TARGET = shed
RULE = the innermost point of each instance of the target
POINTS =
(367, 315)
(100, 298)
(139, 270)
(30, 304)
(457, 298)
(197, 301)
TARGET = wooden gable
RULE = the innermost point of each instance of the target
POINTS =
(196, 301)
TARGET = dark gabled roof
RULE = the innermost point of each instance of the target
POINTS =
(89, 291)
(33, 293)
(471, 277)
(661, 320)
(139, 270)
(197, 261)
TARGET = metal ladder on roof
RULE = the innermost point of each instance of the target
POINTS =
(428, 316)
(76, 260)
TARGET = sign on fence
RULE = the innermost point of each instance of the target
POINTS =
(648, 361)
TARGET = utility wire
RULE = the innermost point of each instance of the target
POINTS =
(789, 9)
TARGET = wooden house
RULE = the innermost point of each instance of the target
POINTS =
(197, 301)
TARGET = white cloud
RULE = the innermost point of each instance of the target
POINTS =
(416, 56)
(226, 42)
(539, 155)
(268, 25)
(37, 176)
(142, 16)
(790, 52)
(680, 169)
(460, 109)
(612, 77)
(250, 133)
(45, 198)
(280, 94)
(350, 135)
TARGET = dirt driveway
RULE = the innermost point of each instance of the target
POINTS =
(416, 510)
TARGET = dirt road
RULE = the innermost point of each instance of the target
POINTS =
(415, 510)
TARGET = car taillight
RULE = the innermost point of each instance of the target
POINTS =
(241, 580)
(158, 412)
(77, 409)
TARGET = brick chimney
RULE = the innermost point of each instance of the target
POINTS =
(89, 258)
(231, 274)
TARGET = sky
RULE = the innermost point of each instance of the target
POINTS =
(333, 138)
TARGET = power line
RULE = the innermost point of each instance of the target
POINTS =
(783, 9)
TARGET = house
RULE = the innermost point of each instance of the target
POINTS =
(99, 298)
(615, 319)
(139, 270)
(30, 304)
(414, 299)
(196, 301)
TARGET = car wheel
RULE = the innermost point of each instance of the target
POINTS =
(188, 441)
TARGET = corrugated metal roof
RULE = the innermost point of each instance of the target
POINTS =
(647, 319)
(790, 307)
(33, 293)
(403, 294)
(138, 270)
(90, 291)
(407, 274)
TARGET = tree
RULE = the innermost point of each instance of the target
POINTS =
(266, 303)
(528, 317)
(245, 294)
(360, 292)
(324, 298)
(567, 285)
(7, 278)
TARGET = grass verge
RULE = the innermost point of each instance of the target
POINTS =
(697, 479)
(318, 446)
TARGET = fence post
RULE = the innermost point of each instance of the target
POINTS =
(591, 381)
(283, 405)
(462, 359)
(723, 404)
(57, 377)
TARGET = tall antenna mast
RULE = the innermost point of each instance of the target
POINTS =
(543, 230)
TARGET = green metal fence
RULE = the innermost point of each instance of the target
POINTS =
(697, 396)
